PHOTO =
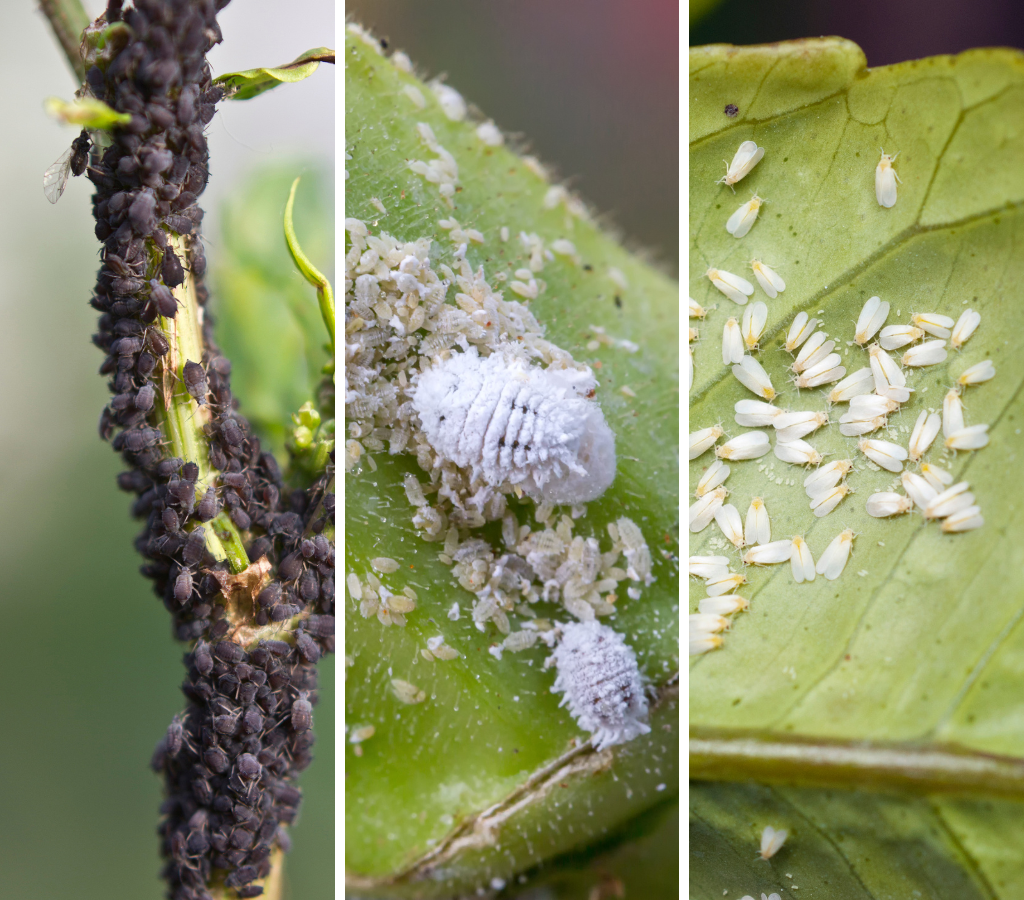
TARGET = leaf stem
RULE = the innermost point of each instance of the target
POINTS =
(924, 768)
(68, 19)
(323, 287)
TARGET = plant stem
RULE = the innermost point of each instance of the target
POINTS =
(736, 755)
(68, 19)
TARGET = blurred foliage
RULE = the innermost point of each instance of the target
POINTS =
(700, 8)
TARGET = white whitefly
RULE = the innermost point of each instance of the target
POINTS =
(735, 288)
(823, 372)
(890, 370)
(724, 584)
(822, 504)
(704, 643)
(832, 562)
(827, 477)
(918, 489)
(892, 337)
(746, 157)
(963, 520)
(797, 453)
(872, 317)
(703, 439)
(755, 317)
(860, 382)
(977, 373)
(732, 342)
(925, 431)
(770, 554)
(816, 348)
(770, 280)
(857, 426)
(749, 445)
(888, 503)
(598, 675)
(800, 560)
(936, 325)
(867, 406)
(938, 478)
(885, 181)
(965, 326)
(973, 437)
(715, 475)
(757, 529)
(728, 519)
(707, 566)
(695, 310)
(799, 331)
(795, 425)
(772, 841)
(886, 454)
(751, 374)
(756, 413)
(703, 511)
(706, 623)
(724, 605)
(949, 501)
(952, 413)
(689, 368)
(741, 221)
(451, 101)
(929, 353)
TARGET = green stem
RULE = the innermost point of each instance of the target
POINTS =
(736, 755)
(324, 294)
(68, 19)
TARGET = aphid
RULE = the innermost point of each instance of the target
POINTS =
(950, 501)
(860, 382)
(708, 566)
(144, 398)
(741, 221)
(598, 674)
(799, 331)
(938, 478)
(728, 519)
(723, 605)
(71, 162)
(770, 280)
(758, 527)
(703, 439)
(886, 454)
(195, 547)
(963, 520)
(732, 342)
(749, 445)
(704, 643)
(747, 156)
(166, 303)
(973, 437)
(822, 504)
(813, 351)
(925, 431)
(918, 490)
(795, 425)
(183, 585)
(929, 353)
(769, 554)
(827, 477)
(888, 503)
(703, 511)
(194, 376)
(756, 413)
(934, 324)
(696, 311)
(707, 623)
(715, 475)
(208, 507)
(755, 317)
(752, 376)
(952, 413)
(797, 453)
(735, 288)
(302, 712)
(885, 181)
(892, 337)
(871, 318)
(724, 584)
(977, 373)
(509, 422)
(965, 326)
(832, 562)
(801, 562)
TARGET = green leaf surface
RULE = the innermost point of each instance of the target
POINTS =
(253, 82)
(489, 729)
(921, 638)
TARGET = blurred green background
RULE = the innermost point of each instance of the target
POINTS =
(90, 669)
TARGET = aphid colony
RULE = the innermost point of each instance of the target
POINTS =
(230, 760)
(872, 393)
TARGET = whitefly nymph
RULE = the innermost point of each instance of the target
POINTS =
(510, 422)
(599, 676)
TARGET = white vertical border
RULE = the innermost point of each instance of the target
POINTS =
(339, 490)
(684, 430)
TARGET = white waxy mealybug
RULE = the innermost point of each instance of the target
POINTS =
(824, 372)
(886, 454)
(732, 342)
(925, 431)
(929, 353)
(963, 520)
(817, 347)
(708, 566)
(887, 503)
(514, 423)
(938, 478)
(747, 156)
(725, 605)
(952, 413)
(597, 672)
(795, 425)
(892, 337)
(758, 527)
(801, 562)
(827, 477)
(696, 311)
(871, 318)
(724, 584)
(728, 519)
(822, 504)
(919, 490)
(756, 413)
(769, 554)
(715, 475)
(704, 643)
(735, 288)
(885, 181)
(799, 331)
(770, 280)
(755, 317)
(965, 326)
(832, 562)
(977, 373)
(973, 437)
(749, 445)
(797, 453)
(707, 623)
(860, 382)
(703, 511)
(936, 325)
(950, 501)
(703, 439)
(753, 377)
(741, 221)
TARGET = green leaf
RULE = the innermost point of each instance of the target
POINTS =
(920, 640)
(253, 82)
(488, 730)
(87, 112)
